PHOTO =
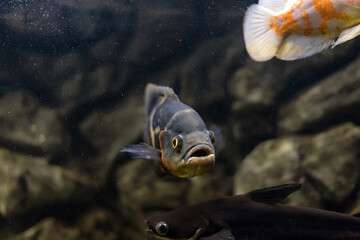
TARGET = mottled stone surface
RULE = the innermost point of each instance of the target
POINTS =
(28, 183)
(110, 130)
(27, 126)
(329, 101)
(48, 228)
(322, 162)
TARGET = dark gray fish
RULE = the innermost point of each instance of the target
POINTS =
(257, 215)
(175, 135)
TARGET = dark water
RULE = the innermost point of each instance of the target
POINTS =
(72, 78)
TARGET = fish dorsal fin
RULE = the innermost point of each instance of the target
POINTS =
(274, 5)
(153, 92)
(296, 46)
(273, 194)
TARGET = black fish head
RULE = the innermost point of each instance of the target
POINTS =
(187, 154)
(176, 224)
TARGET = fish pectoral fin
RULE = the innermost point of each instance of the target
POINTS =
(347, 35)
(218, 135)
(143, 150)
(297, 46)
(224, 234)
(273, 194)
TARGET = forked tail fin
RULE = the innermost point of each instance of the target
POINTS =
(261, 41)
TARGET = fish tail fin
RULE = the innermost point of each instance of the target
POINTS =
(261, 41)
(153, 92)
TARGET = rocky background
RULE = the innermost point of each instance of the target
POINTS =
(72, 76)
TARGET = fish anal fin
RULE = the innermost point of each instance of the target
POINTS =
(347, 35)
(274, 5)
(274, 194)
(261, 41)
(299, 46)
(143, 150)
(224, 234)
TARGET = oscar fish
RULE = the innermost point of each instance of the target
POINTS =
(175, 135)
(257, 215)
(295, 29)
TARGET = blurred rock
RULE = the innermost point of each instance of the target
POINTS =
(327, 164)
(29, 184)
(73, 83)
(99, 224)
(196, 78)
(260, 85)
(110, 130)
(48, 229)
(336, 98)
(29, 127)
(143, 190)
(63, 25)
(160, 32)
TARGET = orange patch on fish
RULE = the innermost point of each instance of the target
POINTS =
(327, 12)
(285, 22)
(308, 30)
(164, 162)
(299, 4)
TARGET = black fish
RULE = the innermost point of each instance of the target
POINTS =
(257, 215)
(175, 135)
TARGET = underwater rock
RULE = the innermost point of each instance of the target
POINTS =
(208, 65)
(72, 83)
(63, 26)
(326, 163)
(334, 99)
(161, 31)
(262, 85)
(110, 130)
(47, 229)
(30, 184)
(143, 190)
(99, 224)
(28, 127)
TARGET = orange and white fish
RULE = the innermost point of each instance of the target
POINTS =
(294, 29)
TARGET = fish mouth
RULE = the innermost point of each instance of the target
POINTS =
(200, 152)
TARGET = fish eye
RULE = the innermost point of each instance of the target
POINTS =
(177, 142)
(162, 228)
(212, 136)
